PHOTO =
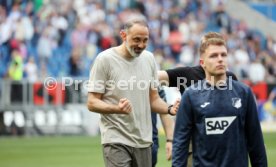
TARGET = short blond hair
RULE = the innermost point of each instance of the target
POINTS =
(211, 38)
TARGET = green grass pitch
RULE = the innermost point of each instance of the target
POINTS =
(72, 151)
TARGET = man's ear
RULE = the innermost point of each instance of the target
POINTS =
(201, 62)
(123, 35)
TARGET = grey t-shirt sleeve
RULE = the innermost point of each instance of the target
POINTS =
(155, 81)
(98, 76)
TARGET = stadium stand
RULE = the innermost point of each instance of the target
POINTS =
(267, 8)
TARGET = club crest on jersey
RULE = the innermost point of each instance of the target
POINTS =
(236, 102)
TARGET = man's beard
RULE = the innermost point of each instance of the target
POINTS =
(131, 51)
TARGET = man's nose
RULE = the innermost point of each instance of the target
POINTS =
(142, 44)
(220, 57)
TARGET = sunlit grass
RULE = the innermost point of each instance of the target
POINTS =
(76, 151)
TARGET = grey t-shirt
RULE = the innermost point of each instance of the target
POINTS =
(116, 78)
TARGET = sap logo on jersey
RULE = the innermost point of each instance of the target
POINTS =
(218, 125)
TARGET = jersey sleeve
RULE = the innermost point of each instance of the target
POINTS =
(178, 77)
(173, 74)
(182, 132)
(255, 142)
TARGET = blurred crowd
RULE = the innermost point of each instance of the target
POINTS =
(41, 38)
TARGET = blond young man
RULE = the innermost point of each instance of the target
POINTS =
(219, 114)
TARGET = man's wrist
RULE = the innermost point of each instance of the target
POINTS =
(169, 140)
(169, 109)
